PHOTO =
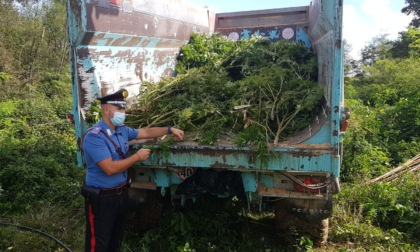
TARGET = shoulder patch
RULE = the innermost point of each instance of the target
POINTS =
(95, 130)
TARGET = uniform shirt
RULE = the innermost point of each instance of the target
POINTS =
(97, 147)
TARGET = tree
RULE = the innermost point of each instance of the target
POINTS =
(56, 38)
(351, 66)
(377, 49)
(413, 7)
(388, 102)
(407, 45)
(33, 38)
(20, 2)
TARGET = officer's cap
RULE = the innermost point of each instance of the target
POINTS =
(117, 99)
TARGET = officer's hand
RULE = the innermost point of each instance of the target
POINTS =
(143, 154)
(177, 133)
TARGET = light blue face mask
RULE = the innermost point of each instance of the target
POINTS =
(118, 118)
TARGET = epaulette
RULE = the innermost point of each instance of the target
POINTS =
(95, 130)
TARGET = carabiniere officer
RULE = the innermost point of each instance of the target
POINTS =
(105, 147)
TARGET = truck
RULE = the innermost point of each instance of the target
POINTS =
(123, 43)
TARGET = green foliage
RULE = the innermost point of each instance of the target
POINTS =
(413, 8)
(377, 49)
(4, 76)
(407, 45)
(305, 244)
(39, 184)
(202, 52)
(34, 40)
(385, 213)
(384, 129)
(202, 226)
(59, 221)
(32, 185)
(94, 114)
(37, 154)
(365, 154)
(223, 87)
(37, 146)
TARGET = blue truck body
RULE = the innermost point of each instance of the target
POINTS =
(123, 43)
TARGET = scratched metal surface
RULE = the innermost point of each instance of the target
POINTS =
(122, 43)
(243, 159)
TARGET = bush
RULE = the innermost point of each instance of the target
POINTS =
(381, 211)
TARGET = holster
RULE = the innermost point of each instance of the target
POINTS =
(92, 196)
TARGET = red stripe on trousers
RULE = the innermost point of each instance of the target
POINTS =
(92, 230)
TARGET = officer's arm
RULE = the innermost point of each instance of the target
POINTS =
(145, 133)
(111, 167)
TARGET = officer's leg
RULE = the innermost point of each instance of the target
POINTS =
(100, 225)
(120, 222)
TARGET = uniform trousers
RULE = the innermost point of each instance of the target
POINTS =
(106, 220)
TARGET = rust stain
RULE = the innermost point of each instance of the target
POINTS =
(303, 153)
(221, 165)
(123, 54)
(101, 19)
(76, 8)
(338, 43)
(139, 71)
(160, 57)
(168, 72)
(133, 41)
(117, 42)
(166, 43)
(82, 53)
(144, 42)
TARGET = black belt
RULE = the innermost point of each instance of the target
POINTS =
(116, 190)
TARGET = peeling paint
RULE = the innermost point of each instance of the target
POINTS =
(125, 44)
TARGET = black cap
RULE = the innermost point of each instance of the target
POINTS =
(117, 99)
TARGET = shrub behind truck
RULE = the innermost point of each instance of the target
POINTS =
(123, 43)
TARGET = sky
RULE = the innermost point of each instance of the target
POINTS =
(362, 19)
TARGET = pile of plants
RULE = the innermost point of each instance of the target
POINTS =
(249, 91)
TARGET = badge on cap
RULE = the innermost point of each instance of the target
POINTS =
(124, 94)
(117, 99)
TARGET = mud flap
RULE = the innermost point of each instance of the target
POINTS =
(307, 217)
(309, 210)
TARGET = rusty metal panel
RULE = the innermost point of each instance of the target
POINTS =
(116, 21)
(325, 19)
(106, 69)
(122, 43)
(263, 18)
(243, 159)
(275, 24)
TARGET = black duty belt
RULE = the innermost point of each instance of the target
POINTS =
(116, 190)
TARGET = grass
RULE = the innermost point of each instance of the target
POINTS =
(207, 225)
(64, 224)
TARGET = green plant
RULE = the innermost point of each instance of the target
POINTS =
(305, 244)
(4, 76)
(94, 114)
(382, 212)
(223, 87)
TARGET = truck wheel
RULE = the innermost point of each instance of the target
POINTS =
(317, 230)
(146, 207)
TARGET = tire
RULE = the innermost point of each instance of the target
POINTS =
(286, 221)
